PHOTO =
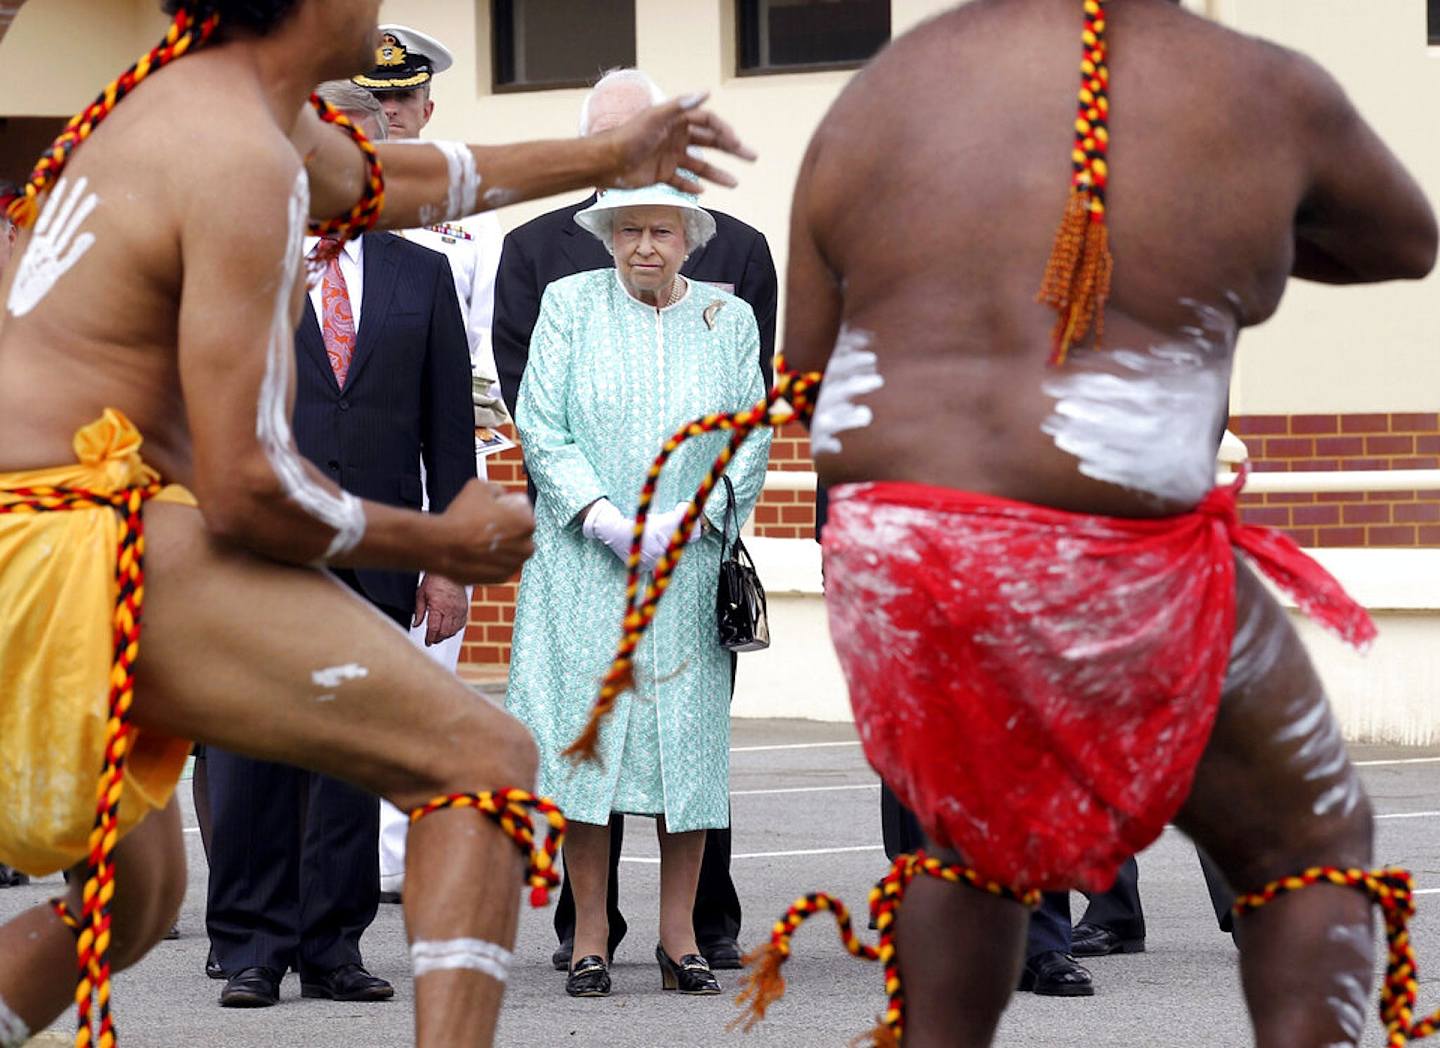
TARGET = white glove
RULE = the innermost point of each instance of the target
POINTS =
(607, 524)
(658, 530)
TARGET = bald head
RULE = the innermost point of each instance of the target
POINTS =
(616, 97)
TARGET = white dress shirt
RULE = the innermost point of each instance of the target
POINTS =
(352, 269)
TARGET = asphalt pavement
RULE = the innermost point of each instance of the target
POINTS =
(806, 816)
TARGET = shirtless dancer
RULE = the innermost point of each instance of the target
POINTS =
(1236, 165)
(166, 288)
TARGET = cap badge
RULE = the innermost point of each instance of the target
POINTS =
(390, 53)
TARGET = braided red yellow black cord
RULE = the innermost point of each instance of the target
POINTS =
(186, 34)
(796, 390)
(1393, 890)
(764, 985)
(92, 949)
(510, 809)
(62, 910)
(1077, 275)
(362, 217)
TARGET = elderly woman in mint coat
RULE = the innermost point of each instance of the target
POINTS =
(619, 360)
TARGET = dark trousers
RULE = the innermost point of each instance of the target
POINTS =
(1119, 909)
(1049, 923)
(294, 862)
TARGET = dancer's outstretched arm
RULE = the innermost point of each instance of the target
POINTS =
(428, 181)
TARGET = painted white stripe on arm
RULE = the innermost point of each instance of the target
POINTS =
(339, 510)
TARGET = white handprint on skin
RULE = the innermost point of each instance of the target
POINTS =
(51, 253)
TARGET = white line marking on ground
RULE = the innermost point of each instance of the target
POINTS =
(771, 855)
(1406, 760)
(792, 746)
(804, 789)
(1410, 815)
(1427, 891)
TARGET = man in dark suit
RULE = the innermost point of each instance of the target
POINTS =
(553, 246)
(383, 381)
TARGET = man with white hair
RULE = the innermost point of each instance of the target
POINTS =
(551, 247)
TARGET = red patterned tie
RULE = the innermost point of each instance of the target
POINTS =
(337, 322)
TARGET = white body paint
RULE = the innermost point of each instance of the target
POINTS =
(464, 180)
(1350, 989)
(497, 196)
(13, 1031)
(54, 248)
(1148, 419)
(339, 510)
(851, 373)
(474, 955)
(334, 676)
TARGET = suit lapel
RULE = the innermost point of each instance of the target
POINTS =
(380, 278)
(578, 245)
(312, 344)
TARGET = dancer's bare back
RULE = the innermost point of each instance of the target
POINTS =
(1234, 163)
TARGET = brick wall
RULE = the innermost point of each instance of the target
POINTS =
(1276, 442)
(1303, 443)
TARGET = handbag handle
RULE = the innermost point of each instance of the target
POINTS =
(729, 516)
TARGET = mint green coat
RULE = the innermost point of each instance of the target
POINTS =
(609, 379)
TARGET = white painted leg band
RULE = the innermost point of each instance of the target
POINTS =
(474, 955)
(13, 1031)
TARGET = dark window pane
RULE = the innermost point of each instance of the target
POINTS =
(550, 43)
(776, 34)
(1434, 11)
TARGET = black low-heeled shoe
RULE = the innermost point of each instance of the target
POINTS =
(589, 978)
(691, 975)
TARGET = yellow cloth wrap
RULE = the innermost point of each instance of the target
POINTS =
(57, 598)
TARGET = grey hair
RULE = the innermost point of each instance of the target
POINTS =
(352, 98)
(612, 77)
(697, 231)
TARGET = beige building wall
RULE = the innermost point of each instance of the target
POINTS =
(1328, 350)
(1351, 350)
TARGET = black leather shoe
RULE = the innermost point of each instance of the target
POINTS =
(392, 898)
(1095, 940)
(1055, 974)
(349, 982)
(12, 878)
(251, 988)
(589, 978)
(722, 953)
(691, 975)
(564, 953)
(212, 967)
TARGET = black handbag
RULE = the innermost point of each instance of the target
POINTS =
(739, 598)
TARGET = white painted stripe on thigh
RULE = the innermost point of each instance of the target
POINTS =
(474, 955)
(1390, 763)
(13, 1031)
(792, 746)
(804, 789)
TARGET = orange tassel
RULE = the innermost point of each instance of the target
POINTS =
(1077, 276)
(880, 1037)
(762, 987)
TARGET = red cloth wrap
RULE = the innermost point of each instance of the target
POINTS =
(1037, 685)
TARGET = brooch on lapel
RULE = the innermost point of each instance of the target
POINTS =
(712, 311)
